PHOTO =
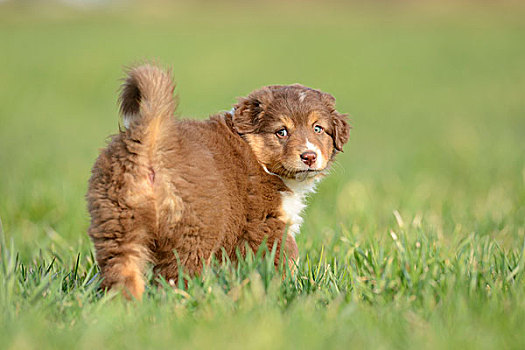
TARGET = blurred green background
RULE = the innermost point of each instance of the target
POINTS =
(435, 91)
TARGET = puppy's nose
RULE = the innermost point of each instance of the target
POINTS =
(308, 157)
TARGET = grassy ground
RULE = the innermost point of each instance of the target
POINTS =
(416, 240)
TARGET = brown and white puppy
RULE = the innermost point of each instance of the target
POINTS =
(177, 192)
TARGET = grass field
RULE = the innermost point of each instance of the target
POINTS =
(416, 240)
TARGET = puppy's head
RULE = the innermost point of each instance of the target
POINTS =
(294, 131)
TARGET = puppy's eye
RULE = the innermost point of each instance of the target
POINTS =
(318, 129)
(282, 133)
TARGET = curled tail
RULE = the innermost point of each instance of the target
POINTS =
(146, 105)
(147, 95)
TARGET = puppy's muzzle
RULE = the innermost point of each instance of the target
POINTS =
(309, 158)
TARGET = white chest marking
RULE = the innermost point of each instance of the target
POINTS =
(293, 203)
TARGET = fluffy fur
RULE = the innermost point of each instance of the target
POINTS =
(173, 193)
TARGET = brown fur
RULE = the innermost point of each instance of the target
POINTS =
(167, 192)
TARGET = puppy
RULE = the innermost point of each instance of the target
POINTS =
(174, 193)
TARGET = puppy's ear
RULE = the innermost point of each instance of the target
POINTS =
(249, 111)
(341, 128)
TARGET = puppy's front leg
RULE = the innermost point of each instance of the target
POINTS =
(274, 232)
(291, 253)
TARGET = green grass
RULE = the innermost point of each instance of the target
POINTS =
(416, 240)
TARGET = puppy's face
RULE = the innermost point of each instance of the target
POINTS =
(294, 131)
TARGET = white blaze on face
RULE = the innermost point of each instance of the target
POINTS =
(302, 96)
(320, 159)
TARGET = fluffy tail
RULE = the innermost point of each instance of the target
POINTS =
(146, 106)
(147, 96)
